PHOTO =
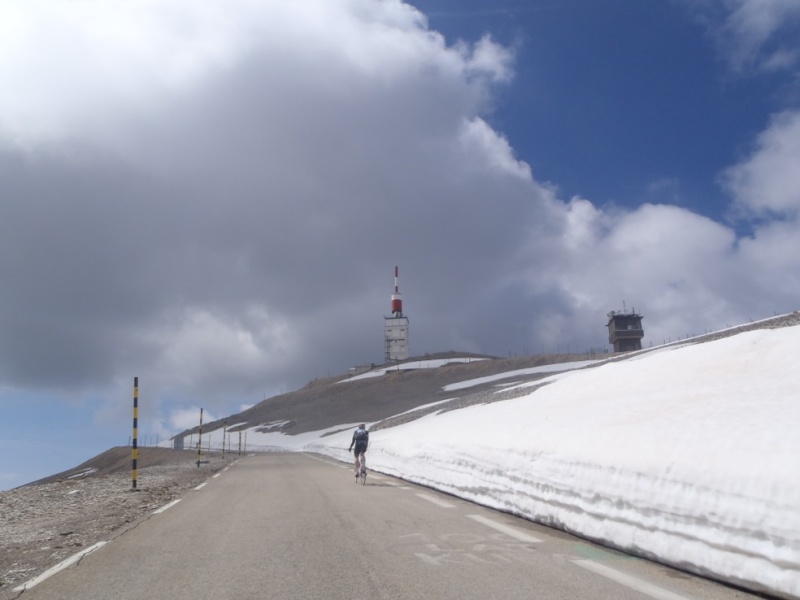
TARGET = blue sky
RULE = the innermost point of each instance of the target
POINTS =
(626, 102)
(42, 436)
(214, 200)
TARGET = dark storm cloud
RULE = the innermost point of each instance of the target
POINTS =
(220, 207)
(286, 185)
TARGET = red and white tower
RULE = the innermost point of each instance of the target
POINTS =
(396, 329)
(397, 299)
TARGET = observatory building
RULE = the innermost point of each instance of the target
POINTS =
(396, 329)
(625, 331)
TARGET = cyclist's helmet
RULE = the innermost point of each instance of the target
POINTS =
(362, 426)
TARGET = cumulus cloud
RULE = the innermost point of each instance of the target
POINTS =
(187, 418)
(755, 34)
(768, 182)
(645, 259)
(215, 200)
(766, 187)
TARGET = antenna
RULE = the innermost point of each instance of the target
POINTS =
(397, 299)
(396, 329)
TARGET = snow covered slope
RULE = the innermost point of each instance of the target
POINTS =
(689, 455)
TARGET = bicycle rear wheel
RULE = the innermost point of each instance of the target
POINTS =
(363, 469)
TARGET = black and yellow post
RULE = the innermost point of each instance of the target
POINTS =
(224, 433)
(200, 439)
(135, 450)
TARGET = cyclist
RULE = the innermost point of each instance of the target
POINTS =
(361, 441)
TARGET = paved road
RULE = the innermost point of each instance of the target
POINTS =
(296, 526)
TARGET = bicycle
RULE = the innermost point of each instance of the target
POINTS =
(362, 474)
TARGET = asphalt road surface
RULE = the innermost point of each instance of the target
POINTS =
(296, 526)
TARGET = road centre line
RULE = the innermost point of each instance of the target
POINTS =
(166, 506)
(629, 581)
(510, 531)
(201, 486)
(216, 475)
(436, 501)
(59, 567)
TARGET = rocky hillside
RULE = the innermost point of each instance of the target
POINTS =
(325, 403)
(118, 460)
(333, 401)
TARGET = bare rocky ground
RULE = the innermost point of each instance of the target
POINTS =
(46, 522)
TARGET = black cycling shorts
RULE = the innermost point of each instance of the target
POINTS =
(360, 447)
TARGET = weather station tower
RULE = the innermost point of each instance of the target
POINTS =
(396, 329)
(625, 331)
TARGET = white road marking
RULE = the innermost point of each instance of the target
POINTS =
(435, 501)
(215, 476)
(629, 581)
(59, 567)
(201, 486)
(166, 506)
(510, 531)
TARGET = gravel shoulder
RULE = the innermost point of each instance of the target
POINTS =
(42, 524)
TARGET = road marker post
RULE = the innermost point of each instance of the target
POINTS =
(200, 439)
(224, 434)
(135, 447)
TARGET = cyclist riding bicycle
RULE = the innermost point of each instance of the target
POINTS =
(361, 441)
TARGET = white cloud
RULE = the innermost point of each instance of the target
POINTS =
(72, 62)
(187, 418)
(676, 267)
(758, 34)
(768, 182)
(489, 58)
(207, 346)
(105, 59)
(483, 148)
(769, 258)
